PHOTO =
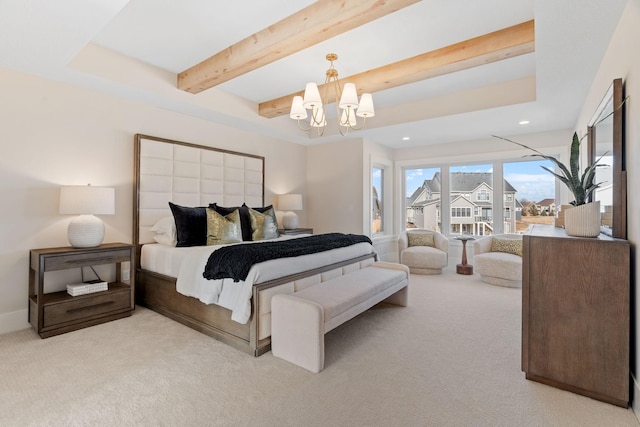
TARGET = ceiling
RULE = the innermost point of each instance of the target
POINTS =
(135, 49)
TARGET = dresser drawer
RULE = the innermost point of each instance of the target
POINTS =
(85, 306)
(74, 260)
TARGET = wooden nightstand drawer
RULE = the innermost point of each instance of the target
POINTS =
(75, 260)
(85, 306)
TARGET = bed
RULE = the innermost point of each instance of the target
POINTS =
(169, 279)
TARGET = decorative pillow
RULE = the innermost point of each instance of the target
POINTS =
(245, 224)
(191, 225)
(264, 226)
(510, 246)
(267, 210)
(245, 218)
(165, 230)
(421, 239)
(223, 229)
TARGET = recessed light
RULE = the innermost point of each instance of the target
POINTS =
(523, 122)
(406, 138)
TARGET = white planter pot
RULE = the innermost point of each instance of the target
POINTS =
(583, 220)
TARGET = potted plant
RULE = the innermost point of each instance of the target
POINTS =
(584, 220)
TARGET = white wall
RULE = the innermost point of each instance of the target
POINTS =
(54, 134)
(335, 183)
(622, 60)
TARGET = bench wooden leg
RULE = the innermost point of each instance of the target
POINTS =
(297, 331)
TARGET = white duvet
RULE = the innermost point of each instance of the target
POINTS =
(236, 296)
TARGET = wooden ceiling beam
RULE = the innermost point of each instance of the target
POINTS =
(318, 22)
(502, 44)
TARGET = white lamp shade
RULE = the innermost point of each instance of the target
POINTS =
(348, 118)
(365, 109)
(311, 96)
(290, 202)
(298, 112)
(87, 199)
(349, 97)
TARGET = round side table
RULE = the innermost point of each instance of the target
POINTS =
(464, 268)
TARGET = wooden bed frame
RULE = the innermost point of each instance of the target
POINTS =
(158, 292)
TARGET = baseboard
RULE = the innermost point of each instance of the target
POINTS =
(14, 321)
(635, 398)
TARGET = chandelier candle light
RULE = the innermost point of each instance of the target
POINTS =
(345, 109)
(86, 230)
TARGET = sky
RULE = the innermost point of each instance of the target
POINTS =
(527, 177)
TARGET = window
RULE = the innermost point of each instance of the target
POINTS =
(527, 187)
(377, 201)
(423, 191)
(461, 212)
(468, 206)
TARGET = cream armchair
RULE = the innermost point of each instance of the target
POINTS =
(423, 251)
(498, 259)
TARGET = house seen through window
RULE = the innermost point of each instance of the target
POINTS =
(528, 198)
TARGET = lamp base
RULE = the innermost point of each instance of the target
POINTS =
(290, 221)
(85, 231)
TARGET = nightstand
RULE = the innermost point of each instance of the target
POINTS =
(296, 231)
(55, 313)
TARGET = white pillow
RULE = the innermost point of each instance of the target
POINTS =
(165, 230)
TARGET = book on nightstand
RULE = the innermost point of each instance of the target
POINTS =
(76, 289)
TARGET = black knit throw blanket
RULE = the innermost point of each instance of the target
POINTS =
(235, 261)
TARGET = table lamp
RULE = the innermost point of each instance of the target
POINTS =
(86, 230)
(290, 203)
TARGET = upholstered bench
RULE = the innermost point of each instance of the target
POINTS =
(300, 320)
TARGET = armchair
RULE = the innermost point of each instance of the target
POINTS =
(498, 259)
(415, 251)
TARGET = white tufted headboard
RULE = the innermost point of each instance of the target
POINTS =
(189, 175)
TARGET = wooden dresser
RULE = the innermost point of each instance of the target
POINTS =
(575, 313)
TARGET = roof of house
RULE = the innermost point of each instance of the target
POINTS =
(547, 202)
(463, 182)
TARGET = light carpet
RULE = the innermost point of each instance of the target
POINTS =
(451, 358)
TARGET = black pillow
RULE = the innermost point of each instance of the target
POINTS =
(191, 225)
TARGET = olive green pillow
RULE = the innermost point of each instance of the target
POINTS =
(223, 229)
(421, 239)
(264, 225)
(510, 246)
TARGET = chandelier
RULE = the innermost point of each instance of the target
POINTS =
(345, 109)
